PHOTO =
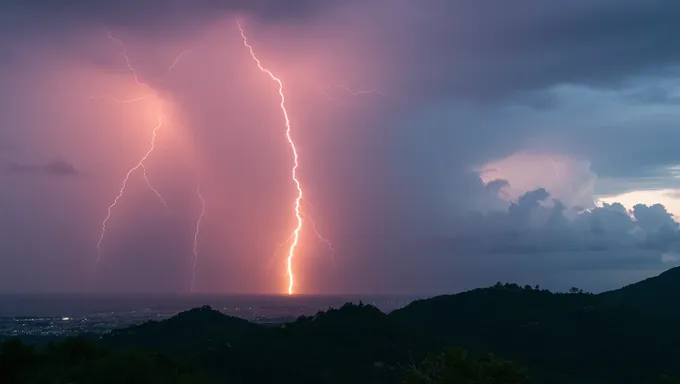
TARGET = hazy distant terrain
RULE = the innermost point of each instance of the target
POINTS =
(67, 315)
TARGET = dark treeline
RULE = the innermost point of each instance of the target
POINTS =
(536, 336)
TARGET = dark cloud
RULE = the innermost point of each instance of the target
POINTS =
(150, 16)
(654, 219)
(474, 50)
(484, 51)
(529, 227)
(56, 167)
(495, 186)
(655, 94)
(533, 242)
(388, 179)
(636, 152)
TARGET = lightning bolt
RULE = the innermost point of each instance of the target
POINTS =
(321, 238)
(298, 216)
(316, 231)
(140, 164)
(152, 144)
(196, 234)
(127, 59)
(133, 71)
(177, 59)
(148, 182)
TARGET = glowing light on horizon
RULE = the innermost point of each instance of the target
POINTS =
(298, 215)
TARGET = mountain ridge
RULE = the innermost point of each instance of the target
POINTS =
(561, 337)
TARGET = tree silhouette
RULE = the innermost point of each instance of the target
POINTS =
(455, 366)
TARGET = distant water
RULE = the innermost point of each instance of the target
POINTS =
(246, 306)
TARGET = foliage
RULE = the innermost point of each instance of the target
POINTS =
(665, 379)
(562, 338)
(80, 361)
(654, 295)
(455, 366)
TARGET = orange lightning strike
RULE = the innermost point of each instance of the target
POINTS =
(148, 153)
(298, 216)
(196, 233)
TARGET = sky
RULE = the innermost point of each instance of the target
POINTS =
(443, 145)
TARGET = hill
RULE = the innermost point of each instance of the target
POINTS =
(623, 336)
(187, 331)
(561, 338)
(338, 346)
(653, 295)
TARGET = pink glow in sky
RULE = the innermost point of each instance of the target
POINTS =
(388, 175)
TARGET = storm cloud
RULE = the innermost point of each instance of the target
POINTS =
(56, 167)
(487, 134)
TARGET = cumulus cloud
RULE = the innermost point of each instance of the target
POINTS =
(536, 224)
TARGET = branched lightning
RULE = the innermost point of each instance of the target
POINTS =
(127, 59)
(318, 235)
(177, 59)
(316, 230)
(152, 143)
(140, 164)
(298, 198)
(196, 234)
(151, 187)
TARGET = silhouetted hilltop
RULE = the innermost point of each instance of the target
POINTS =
(187, 330)
(360, 336)
(656, 295)
(302, 351)
(560, 337)
(557, 335)
(571, 337)
(83, 361)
